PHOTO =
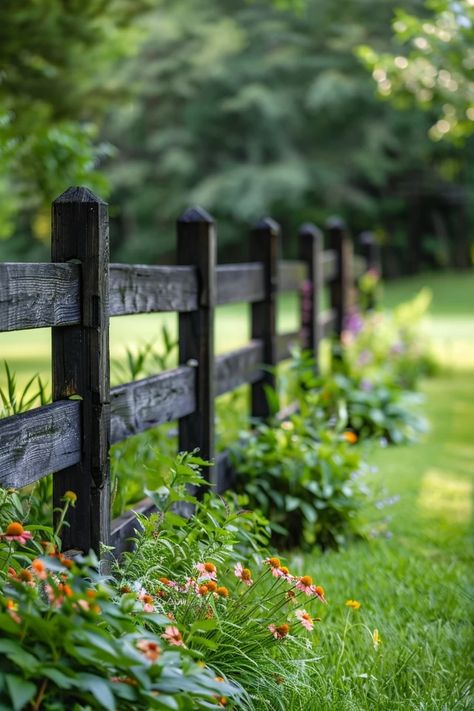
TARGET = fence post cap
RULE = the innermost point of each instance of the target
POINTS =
(335, 222)
(308, 229)
(79, 194)
(267, 224)
(196, 214)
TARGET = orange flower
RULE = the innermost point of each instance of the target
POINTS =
(319, 592)
(350, 437)
(222, 591)
(173, 636)
(279, 631)
(12, 607)
(305, 619)
(70, 497)
(243, 574)
(273, 562)
(150, 649)
(211, 586)
(16, 532)
(147, 601)
(39, 569)
(207, 570)
(219, 678)
(202, 590)
(305, 584)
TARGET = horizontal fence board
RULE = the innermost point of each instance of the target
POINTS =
(291, 275)
(39, 295)
(359, 266)
(35, 443)
(239, 367)
(284, 343)
(124, 526)
(136, 288)
(329, 265)
(327, 319)
(137, 406)
(239, 282)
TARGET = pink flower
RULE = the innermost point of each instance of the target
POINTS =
(279, 631)
(207, 570)
(282, 572)
(243, 574)
(173, 636)
(16, 532)
(147, 601)
(305, 584)
(305, 619)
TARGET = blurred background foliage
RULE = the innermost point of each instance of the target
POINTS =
(247, 108)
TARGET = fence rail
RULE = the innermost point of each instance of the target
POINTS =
(79, 291)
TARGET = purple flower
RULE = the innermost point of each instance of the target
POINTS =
(354, 323)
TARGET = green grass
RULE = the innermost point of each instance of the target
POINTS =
(414, 579)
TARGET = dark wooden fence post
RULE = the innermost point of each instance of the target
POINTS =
(80, 364)
(310, 252)
(197, 246)
(341, 287)
(265, 247)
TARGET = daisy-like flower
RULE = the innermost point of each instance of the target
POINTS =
(70, 497)
(16, 532)
(376, 639)
(279, 631)
(173, 636)
(211, 585)
(207, 570)
(353, 603)
(147, 601)
(283, 572)
(305, 619)
(243, 574)
(169, 583)
(150, 649)
(202, 590)
(222, 591)
(275, 566)
(305, 584)
(39, 569)
(318, 590)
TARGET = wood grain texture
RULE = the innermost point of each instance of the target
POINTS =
(197, 247)
(38, 296)
(239, 367)
(265, 247)
(291, 274)
(239, 282)
(35, 443)
(80, 364)
(137, 406)
(135, 289)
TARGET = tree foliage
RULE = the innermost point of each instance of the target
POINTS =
(435, 67)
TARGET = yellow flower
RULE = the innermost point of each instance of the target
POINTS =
(376, 639)
(353, 603)
(70, 496)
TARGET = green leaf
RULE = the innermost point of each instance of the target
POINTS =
(20, 690)
(99, 689)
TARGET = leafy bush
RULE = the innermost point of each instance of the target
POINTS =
(303, 478)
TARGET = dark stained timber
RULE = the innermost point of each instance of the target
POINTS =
(36, 443)
(136, 289)
(38, 296)
(239, 282)
(137, 406)
(290, 275)
(239, 367)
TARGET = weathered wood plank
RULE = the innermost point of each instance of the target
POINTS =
(38, 295)
(239, 282)
(80, 365)
(239, 367)
(197, 245)
(225, 473)
(137, 406)
(310, 250)
(35, 443)
(284, 343)
(123, 527)
(341, 287)
(329, 265)
(265, 247)
(291, 274)
(135, 289)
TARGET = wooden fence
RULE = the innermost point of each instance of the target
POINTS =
(79, 290)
